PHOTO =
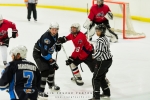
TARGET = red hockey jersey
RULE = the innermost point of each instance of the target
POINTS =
(82, 47)
(97, 13)
(4, 29)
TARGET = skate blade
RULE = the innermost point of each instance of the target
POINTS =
(79, 84)
(53, 90)
(105, 98)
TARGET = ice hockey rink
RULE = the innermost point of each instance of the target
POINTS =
(128, 75)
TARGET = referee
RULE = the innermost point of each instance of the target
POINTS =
(31, 6)
(104, 60)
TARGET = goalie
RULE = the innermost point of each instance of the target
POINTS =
(100, 14)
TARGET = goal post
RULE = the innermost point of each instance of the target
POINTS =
(126, 28)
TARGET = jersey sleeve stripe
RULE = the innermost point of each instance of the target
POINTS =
(47, 57)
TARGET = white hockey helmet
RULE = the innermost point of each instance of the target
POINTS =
(77, 25)
(54, 25)
(100, 2)
(22, 50)
(1, 17)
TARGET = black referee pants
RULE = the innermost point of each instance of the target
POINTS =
(32, 8)
(98, 79)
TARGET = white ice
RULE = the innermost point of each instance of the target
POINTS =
(129, 73)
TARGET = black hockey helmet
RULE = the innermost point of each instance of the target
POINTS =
(101, 27)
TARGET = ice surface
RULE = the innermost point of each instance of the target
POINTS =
(129, 73)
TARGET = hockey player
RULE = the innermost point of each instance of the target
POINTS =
(42, 55)
(20, 76)
(100, 13)
(4, 39)
(82, 52)
(104, 60)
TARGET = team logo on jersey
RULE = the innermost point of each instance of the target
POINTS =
(3, 32)
(51, 50)
(47, 41)
(101, 14)
(80, 41)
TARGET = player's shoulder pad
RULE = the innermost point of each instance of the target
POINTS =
(81, 33)
(45, 38)
(105, 5)
(100, 40)
(8, 64)
(24, 60)
(6, 21)
(95, 5)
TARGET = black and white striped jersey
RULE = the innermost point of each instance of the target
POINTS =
(102, 50)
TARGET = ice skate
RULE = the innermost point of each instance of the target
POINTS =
(78, 80)
(55, 87)
(42, 96)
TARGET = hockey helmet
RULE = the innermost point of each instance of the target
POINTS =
(100, 2)
(76, 25)
(54, 25)
(101, 27)
(22, 50)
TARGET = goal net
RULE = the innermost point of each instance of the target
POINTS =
(123, 22)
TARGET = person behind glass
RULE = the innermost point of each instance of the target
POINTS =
(31, 6)
(104, 61)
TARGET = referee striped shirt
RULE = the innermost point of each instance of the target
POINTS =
(102, 51)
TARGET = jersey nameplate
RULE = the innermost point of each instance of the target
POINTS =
(27, 66)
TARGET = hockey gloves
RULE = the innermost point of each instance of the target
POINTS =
(14, 33)
(69, 61)
(58, 47)
(62, 39)
(109, 16)
(54, 65)
(87, 23)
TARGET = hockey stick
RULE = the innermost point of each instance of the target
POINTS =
(87, 10)
(88, 36)
(4, 43)
(56, 56)
(110, 31)
(70, 66)
(81, 67)
(54, 71)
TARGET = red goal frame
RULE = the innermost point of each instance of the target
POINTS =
(123, 17)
